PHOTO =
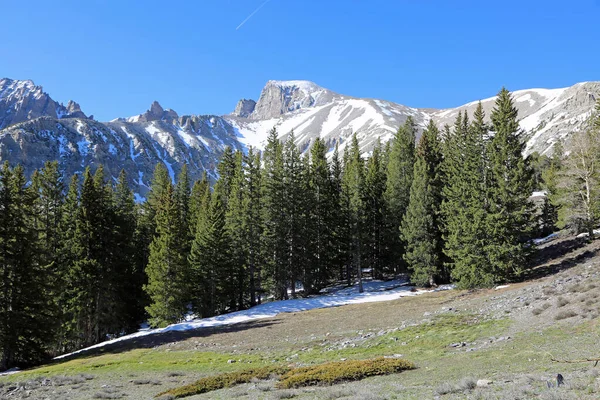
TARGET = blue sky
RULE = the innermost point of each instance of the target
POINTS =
(116, 57)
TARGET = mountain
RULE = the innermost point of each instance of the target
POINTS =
(546, 115)
(23, 101)
(312, 111)
(34, 128)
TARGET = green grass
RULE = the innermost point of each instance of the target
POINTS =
(216, 382)
(422, 342)
(342, 371)
(323, 374)
(145, 360)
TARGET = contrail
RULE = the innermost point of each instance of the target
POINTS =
(251, 15)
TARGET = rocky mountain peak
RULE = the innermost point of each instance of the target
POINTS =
(156, 109)
(282, 97)
(155, 113)
(22, 100)
(244, 108)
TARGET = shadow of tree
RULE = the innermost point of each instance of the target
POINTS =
(559, 256)
(158, 339)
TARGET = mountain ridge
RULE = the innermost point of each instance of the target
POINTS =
(34, 128)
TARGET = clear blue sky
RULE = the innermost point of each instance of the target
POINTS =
(116, 57)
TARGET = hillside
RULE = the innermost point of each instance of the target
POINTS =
(507, 336)
(35, 128)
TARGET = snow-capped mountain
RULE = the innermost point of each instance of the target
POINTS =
(34, 128)
(546, 115)
(23, 101)
(312, 111)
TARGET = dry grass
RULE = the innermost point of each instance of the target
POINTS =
(564, 314)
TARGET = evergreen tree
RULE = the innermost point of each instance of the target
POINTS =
(375, 214)
(321, 216)
(510, 186)
(226, 169)
(353, 188)
(275, 247)
(24, 322)
(196, 198)
(421, 225)
(340, 218)
(48, 188)
(203, 288)
(234, 224)
(252, 224)
(400, 167)
(293, 212)
(166, 264)
(211, 258)
(129, 276)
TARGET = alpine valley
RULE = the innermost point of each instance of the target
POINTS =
(34, 128)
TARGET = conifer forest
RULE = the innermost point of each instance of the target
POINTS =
(81, 261)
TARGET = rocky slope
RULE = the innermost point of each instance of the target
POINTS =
(35, 128)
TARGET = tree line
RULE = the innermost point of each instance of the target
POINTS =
(82, 262)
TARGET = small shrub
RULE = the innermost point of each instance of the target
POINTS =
(466, 384)
(546, 306)
(444, 388)
(107, 395)
(564, 315)
(561, 302)
(173, 374)
(221, 381)
(537, 311)
(576, 288)
(284, 394)
(549, 290)
(336, 372)
(333, 394)
(590, 302)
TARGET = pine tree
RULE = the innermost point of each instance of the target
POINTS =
(510, 185)
(25, 325)
(68, 338)
(275, 247)
(465, 205)
(293, 212)
(375, 250)
(421, 225)
(321, 217)
(146, 221)
(399, 179)
(234, 224)
(129, 276)
(211, 258)
(48, 187)
(353, 188)
(203, 289)
(340, 217)
(196, 198)
(166, 265)
(226, 170)
(252, 224)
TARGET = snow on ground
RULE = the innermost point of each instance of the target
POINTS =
(374, 291)
(546, 239)
(586, 234)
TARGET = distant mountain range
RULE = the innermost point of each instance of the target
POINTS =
(34, 128)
